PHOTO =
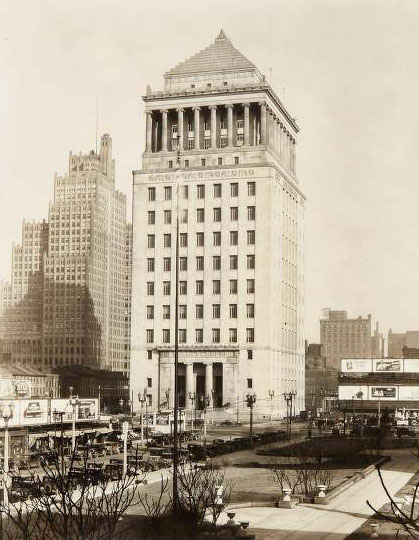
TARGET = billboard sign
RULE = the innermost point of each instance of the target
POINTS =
(87, 409)
(355, 392)
(388, 365)
(383, 392)
(411, 365)
(409, 393)
(356, 365)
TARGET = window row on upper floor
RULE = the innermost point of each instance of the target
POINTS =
(200, 239)
(200, 215)
(200, 191)
(200, 263)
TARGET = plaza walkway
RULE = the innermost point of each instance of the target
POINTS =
(337, 520)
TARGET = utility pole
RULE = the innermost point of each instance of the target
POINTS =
(251, 400)
(141, 399)
(289, 396)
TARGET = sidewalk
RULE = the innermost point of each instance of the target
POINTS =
(341, 517)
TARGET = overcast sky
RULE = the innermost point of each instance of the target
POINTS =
(350, 70)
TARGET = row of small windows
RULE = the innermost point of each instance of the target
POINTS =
(200, 215)
(216, 263)
(199, 287)
(200, 191)
(199, 335)
(199, 311)
(200, 239)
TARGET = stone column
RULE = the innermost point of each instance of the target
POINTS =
(281, 141)
(213, 109)
(196, 126)
(229, 125)
(149, 133)
(164, 130)
(208, 379)
(180, 128)
(246, 107)
(262, 122)
(190, 387)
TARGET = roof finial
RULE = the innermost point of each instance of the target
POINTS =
(221, 36)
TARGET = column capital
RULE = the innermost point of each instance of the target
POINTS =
(164, 111)
(229, 106)
(196, 108)
(180, 109)
(149, 112)
(246, 104)
(212, 107)
(262, 103)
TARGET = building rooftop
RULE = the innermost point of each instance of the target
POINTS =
(219, 57)
(7, 370)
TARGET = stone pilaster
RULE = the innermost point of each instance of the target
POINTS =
(263, 134)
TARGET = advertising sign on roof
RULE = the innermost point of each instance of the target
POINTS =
(411, 365)
(388, 365)
(356, 365)
(383, 392)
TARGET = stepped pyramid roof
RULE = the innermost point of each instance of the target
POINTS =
(219, 57)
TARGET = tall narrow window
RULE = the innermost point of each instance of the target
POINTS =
(200, 263)
(233, 311)
(234, 236)
(167, 217)
(166, 288)
(199, 335)
(233, 286)
(216, 238)
(150, 335)
(216, 286)
(184, 192)
(199, 311)
(200, 239)
(150, 312)
(166, 335)
(167, 240)
(216, 335)
(200, 215)
(234, 213)
(250, 237)
(150, 241)
(151, 217)
(151, 194)
(167, 193)
(199, 287)
(183, 287)
(150, 265)
(251, 213)
(184, 216)
(166, 312)
(215, 311)
(150, 288)
(167, 264)
(183, 264)
(182, 311)
(250, 286)
(200, 191)
(250, 310)
(183, 239)
(251, 189)
(234, 189)
(216, 262)
(250, 335)
(233, 262)
(233, 335)
(217, 191)
(182, 335)
(250, 262)
(217, 214)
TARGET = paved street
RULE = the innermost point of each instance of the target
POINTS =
(335, 521)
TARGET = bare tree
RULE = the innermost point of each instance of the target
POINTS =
(72, 501)
(404, 514)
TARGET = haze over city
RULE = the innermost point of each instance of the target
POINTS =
(347, 71)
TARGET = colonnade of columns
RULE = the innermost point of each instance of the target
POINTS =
(190, 386)
(211, 127)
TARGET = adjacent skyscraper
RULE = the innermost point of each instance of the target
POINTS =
(70, 282)
(220, 156)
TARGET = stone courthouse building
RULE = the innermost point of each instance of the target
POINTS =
(220, 157)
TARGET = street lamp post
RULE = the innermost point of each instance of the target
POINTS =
(251, 400)
(74, 402)
(271, 397)
(289, 396)
(141, 399)
(6, 413)
(192, 397)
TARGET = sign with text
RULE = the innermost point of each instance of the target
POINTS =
(383, 392)
(388, 365)
(354, 392)
(356, 365)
